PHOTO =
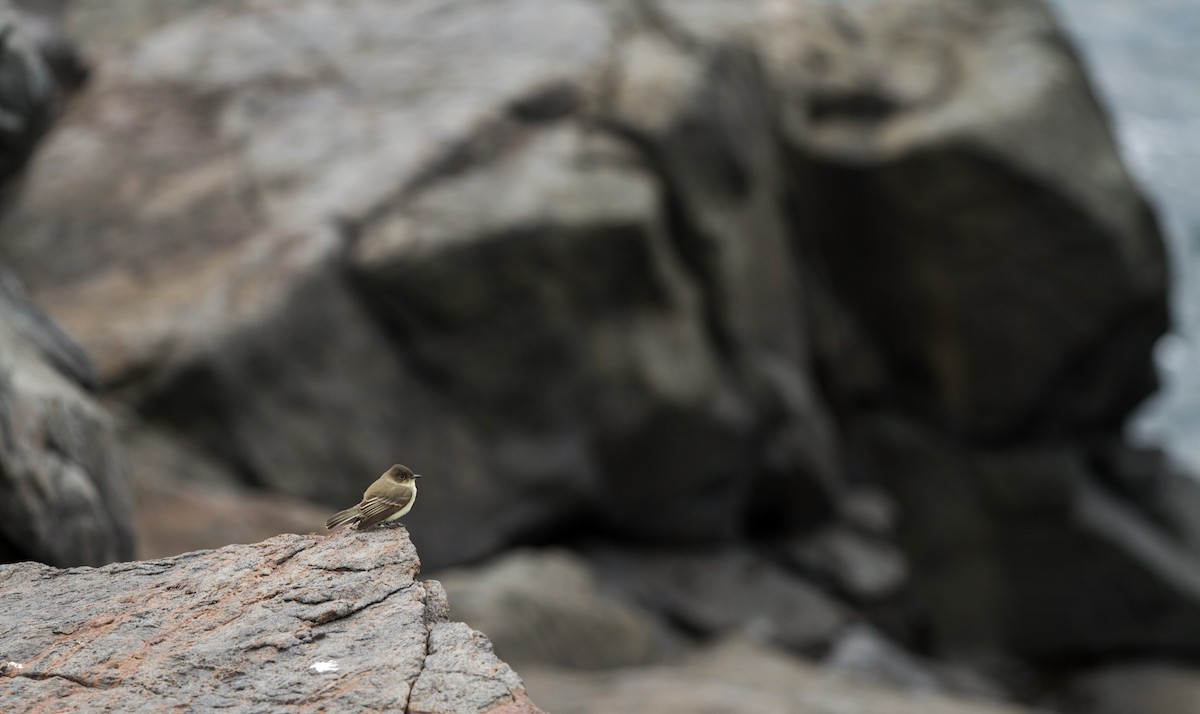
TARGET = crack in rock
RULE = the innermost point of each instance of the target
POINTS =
(74, 678)
(344, 609)
(412, 684)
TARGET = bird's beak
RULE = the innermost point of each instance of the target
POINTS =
(416, 475)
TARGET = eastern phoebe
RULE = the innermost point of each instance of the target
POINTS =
(389, 498)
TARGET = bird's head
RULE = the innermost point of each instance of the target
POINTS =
(401, 474)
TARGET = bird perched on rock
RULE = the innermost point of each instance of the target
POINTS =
(388, 499)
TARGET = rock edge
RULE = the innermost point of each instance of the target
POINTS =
(291, 623)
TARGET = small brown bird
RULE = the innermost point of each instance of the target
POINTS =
(389, 498)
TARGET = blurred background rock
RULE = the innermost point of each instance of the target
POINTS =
(752, 351)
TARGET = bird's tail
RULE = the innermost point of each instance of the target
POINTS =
(343, 517)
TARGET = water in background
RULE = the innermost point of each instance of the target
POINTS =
(1144, 59)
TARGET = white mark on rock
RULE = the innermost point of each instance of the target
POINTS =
(323, 667)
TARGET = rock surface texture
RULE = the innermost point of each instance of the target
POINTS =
(295, 623)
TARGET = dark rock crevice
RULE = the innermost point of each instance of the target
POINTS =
(74, 679)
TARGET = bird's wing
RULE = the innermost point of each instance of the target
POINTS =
(377, 509)
(342, 517)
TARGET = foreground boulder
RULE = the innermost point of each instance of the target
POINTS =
(290, 624)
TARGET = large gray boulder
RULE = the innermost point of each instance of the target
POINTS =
(551, 607)
(958, 193)
(29, 89)
(64, 494)
(718, 592)
(558, 314)
(738, 675)
(294, 623)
